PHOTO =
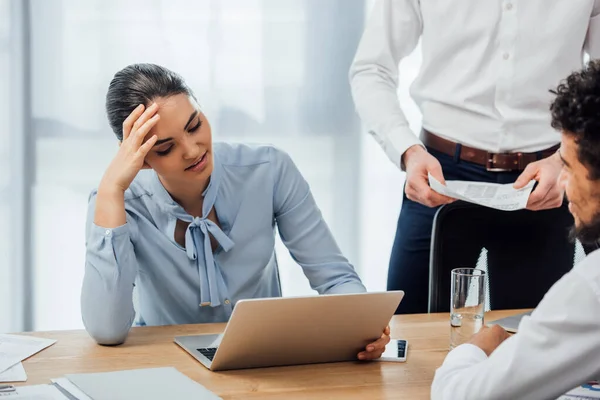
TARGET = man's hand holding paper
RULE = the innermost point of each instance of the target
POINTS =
(494, 195)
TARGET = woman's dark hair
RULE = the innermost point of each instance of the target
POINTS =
(139, 84)
(576, 112)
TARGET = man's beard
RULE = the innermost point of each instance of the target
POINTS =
(588, 233)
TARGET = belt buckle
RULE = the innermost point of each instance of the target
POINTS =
(490, 161)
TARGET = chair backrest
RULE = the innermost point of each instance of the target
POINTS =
(456, 225)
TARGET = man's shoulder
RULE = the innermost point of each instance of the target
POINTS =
(589, 270)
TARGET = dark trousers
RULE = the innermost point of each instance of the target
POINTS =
(516, 275)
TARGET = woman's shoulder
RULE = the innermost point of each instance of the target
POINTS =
(248, 154)
(138, 192)
(142, 186)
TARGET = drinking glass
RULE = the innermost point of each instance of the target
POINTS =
(467, 297)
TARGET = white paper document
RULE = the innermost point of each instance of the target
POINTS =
(73, 390)
(16, 373)
(493, 195)
(16, 348)
(589, 391)
(35, 392)
(147, 384)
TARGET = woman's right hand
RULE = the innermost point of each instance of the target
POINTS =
(132, 150)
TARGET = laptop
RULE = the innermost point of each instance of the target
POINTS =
(510, 324)
(295, 330)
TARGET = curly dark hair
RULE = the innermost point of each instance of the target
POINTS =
(576, 112)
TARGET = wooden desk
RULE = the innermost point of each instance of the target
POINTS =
(147, 347)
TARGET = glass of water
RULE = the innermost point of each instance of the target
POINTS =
(467, 306)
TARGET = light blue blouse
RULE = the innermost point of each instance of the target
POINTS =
(253, 189)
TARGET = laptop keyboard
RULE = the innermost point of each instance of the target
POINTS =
(208, 352)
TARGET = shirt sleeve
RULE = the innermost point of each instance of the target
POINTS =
(554, 351)
(392, 32)
(110, 271)
(305, 233)
(592, 41)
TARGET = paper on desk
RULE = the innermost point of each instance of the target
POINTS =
(589, 391)
(493, 195)
(70, 388)
(16, 373)
(35, 392)
(15, 348)
(147, 384)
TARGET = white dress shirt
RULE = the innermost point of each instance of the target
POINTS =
(486, 72)
(556, 349)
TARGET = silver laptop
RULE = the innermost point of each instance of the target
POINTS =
(295, 330)
(510, 324)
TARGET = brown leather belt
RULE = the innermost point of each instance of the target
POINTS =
(494, 162)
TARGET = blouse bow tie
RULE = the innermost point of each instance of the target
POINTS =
(197, 239)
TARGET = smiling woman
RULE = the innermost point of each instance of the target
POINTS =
(195, 231)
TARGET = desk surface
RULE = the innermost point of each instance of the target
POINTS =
(147, 347)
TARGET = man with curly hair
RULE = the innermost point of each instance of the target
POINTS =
(557, 347)
(482, 88)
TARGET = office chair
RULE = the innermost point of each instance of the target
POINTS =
(462, 230)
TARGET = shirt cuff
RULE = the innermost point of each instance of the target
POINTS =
(398, 141)
(110, 232)
(465, 354)
(461, 358)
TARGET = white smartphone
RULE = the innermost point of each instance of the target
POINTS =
(396, 351)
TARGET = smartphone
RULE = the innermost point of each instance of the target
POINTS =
(396, 351)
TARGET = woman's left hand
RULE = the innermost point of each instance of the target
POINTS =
(375, 350)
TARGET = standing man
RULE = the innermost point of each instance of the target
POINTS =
(483, 92)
